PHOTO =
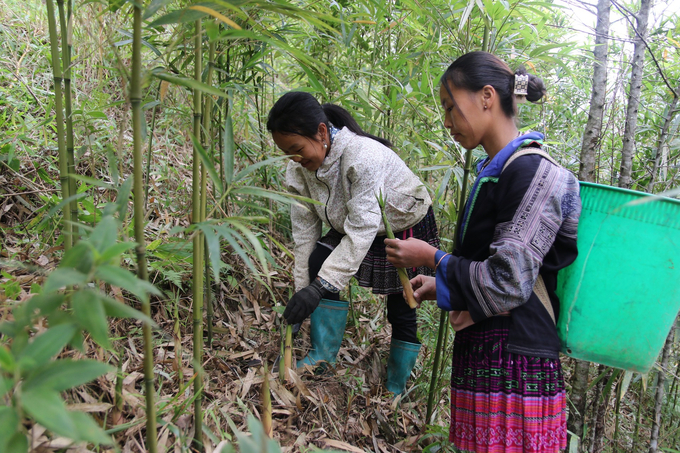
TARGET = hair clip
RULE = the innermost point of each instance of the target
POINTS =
(521, 84)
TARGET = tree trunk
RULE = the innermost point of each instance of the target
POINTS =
(670, 112)
(660, 390)
(625, 177)
(591, 136)
(577, 410)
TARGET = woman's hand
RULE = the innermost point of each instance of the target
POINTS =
(411, 252)
(424, 288)
(304, 302)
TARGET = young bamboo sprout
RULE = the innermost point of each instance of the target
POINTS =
(288, 352)
(403, 276)
(266, 403)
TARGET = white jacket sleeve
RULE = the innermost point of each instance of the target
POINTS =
(306, 227)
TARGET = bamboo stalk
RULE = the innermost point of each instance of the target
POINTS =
(443, 317)
(403, 276)
(148, 153)
(64, 25)
(59, 110)
(198, 248)
(207, 126)
(136, 105)
(177, 340)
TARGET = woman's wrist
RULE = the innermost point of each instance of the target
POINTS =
(439, 256)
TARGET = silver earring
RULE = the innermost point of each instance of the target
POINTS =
(484, 107)
(325, 146)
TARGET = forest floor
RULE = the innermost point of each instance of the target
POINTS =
(345, 408)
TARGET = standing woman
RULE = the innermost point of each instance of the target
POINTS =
(338, 164)
(518, 229)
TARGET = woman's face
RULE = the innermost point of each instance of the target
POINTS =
(463, 115)
(309, 152)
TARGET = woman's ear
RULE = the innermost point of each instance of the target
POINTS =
(488, 96)
(322, 130)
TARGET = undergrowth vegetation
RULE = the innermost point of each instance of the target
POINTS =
(71, 346)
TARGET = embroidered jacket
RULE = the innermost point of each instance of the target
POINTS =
(517, 224)
(354, 171)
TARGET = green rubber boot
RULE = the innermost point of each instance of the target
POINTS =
(327, 329)
(402, 359)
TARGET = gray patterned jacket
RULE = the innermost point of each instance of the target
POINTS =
(354, 171)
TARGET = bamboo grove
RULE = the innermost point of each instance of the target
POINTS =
(208, 237)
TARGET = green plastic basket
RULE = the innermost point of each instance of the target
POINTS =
(621, 296)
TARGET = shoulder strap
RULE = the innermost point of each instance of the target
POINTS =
(539, 287)
(542, 293)
(527, 151)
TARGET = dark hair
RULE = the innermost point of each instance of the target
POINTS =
(474, 70)
(297, 112)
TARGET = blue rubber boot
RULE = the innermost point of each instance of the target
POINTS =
(327, 329)
(402, 359)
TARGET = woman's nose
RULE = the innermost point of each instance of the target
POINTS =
(296, 157)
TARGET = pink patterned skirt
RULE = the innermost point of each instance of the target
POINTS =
(503, 402)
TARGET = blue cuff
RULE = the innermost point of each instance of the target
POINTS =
(327, 286)
(443, 293)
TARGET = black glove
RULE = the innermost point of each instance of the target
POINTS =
(304, 302)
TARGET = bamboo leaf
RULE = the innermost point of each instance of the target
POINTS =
(123, 198)
(45, 346)
(88, 430)
(93, 181)
(59, 206)
(64, 374)
(117, 309)
(229, 146)
(105, 234)
(80, 258)
(45, 303)
(251, 168)
(62, 277)
(9, 425)
(144, 42)
(254, 241)
(217, 15)
(213, 248)
(283, 197)
(115, 5)
(314, 81)
(233, 238)
(6, 385)
(180, 16)
(189, 83)
(625, 382)
(208, 164)
(126, 280)
(153, 7)
(48, 409)
(672, 193)
(89, 313)
(115, 251)
(6, 360)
